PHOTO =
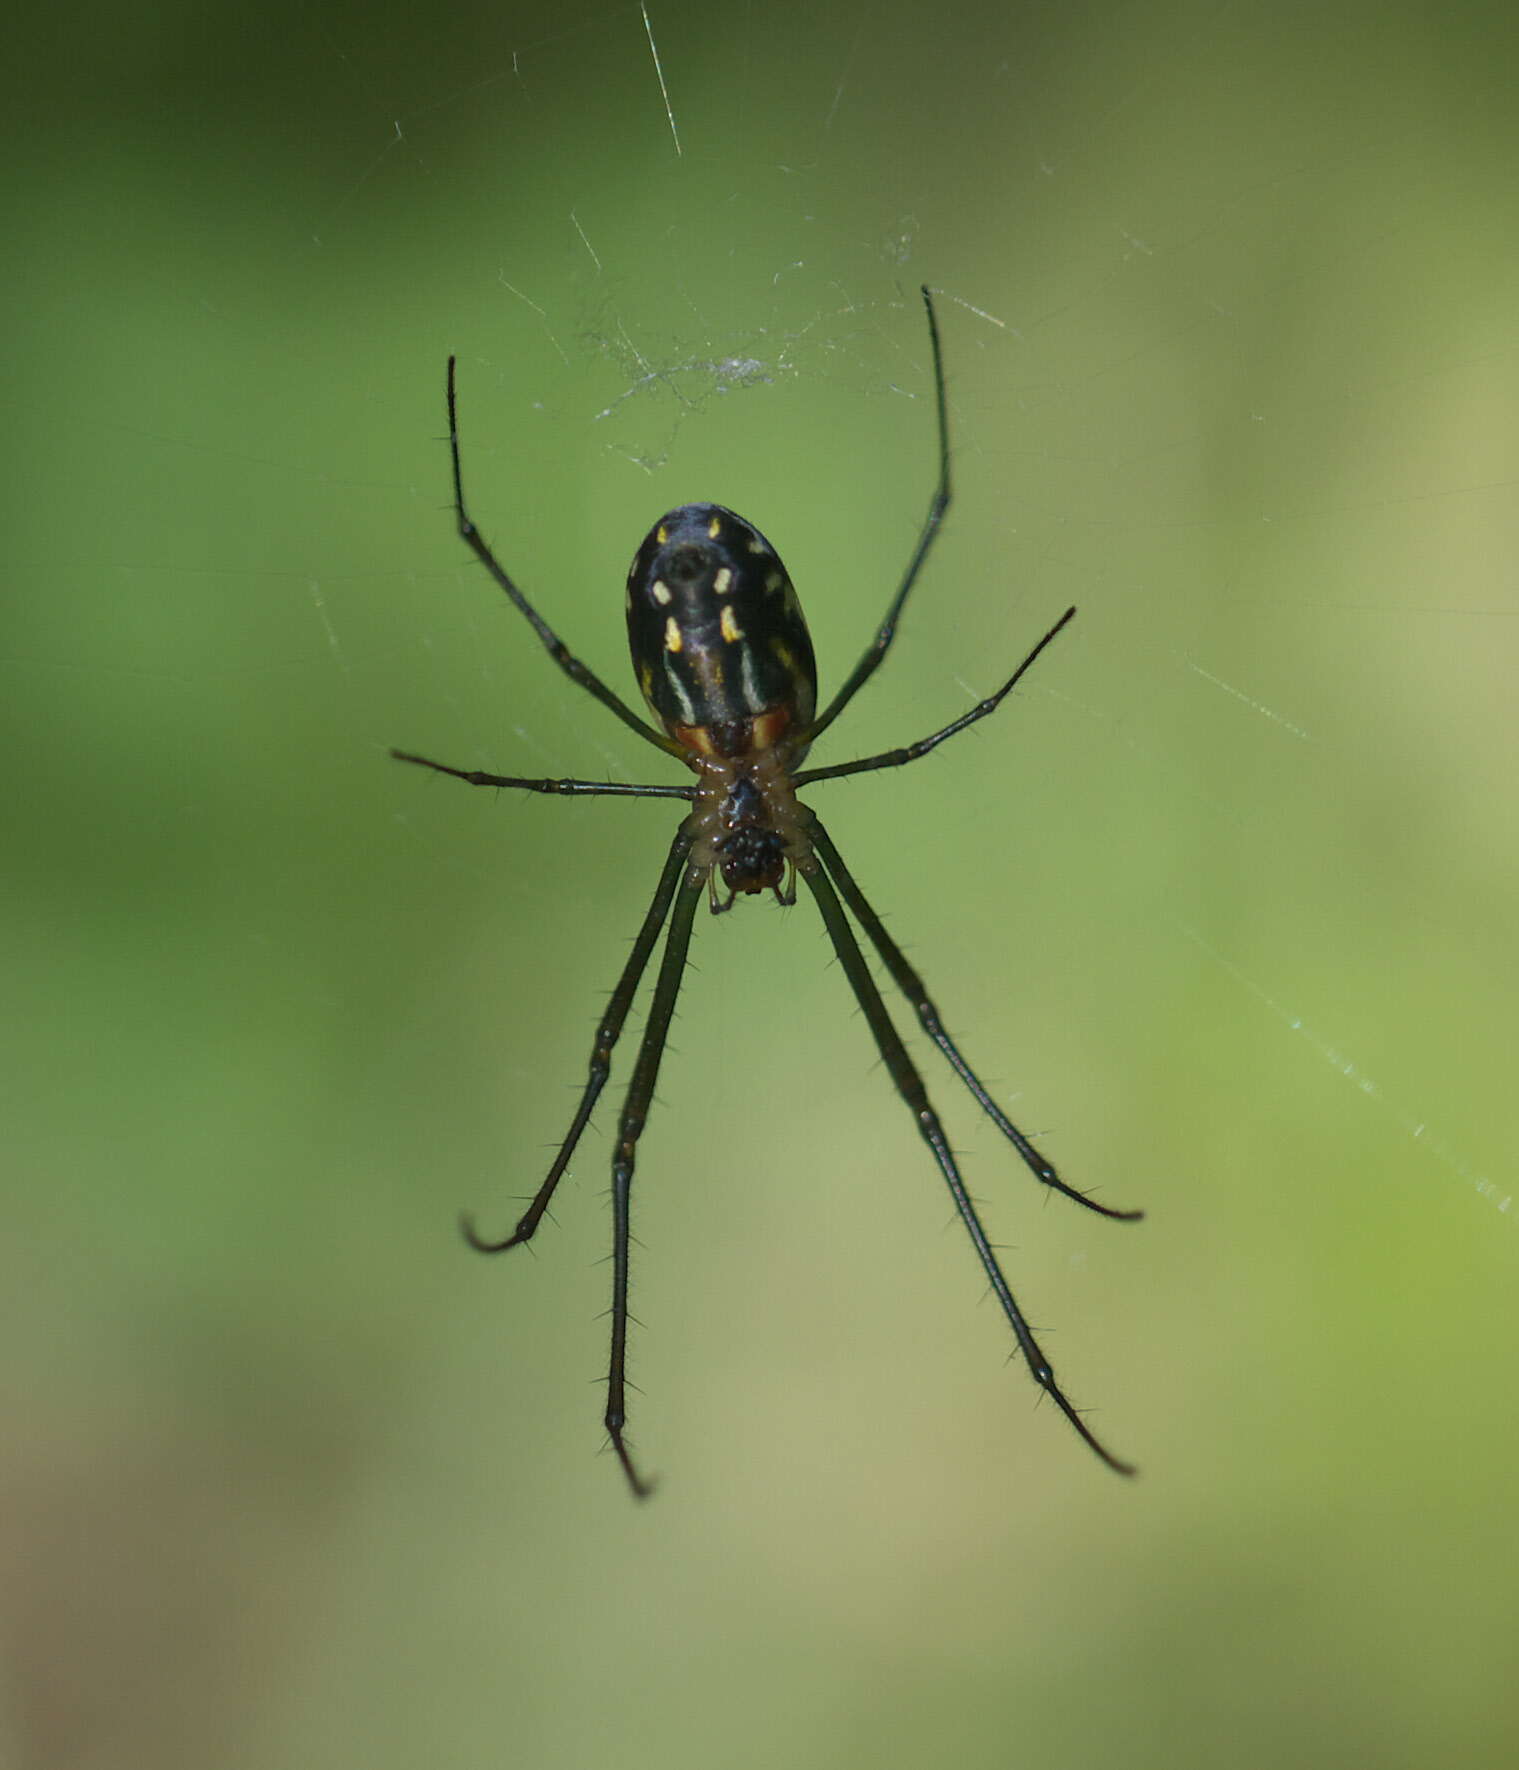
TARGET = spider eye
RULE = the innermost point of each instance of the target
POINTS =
(752, 863)
(719, 643)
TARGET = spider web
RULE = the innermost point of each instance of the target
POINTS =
(1220, 903)
(697, 326)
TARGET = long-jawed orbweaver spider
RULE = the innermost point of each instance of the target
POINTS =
(723, 657)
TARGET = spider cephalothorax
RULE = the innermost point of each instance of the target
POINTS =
(722, 654)
(751, 826)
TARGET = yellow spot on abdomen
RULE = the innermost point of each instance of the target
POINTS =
(672, 635)
(731, 629)
(721, 582)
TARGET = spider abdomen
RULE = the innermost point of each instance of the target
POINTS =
(719, 643)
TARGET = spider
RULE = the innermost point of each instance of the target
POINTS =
(723, 657)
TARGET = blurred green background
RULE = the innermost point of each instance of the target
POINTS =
(1222, 902)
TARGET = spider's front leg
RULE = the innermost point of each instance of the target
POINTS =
(607, 1033)
(909, 1084)
(630, 1126)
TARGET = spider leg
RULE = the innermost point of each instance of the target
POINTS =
(895, 758)
(909, 1084)
(911, 985)
(607, 1033)
(620, 789)
(629, 1128)
(552, 643)
(879, 646)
